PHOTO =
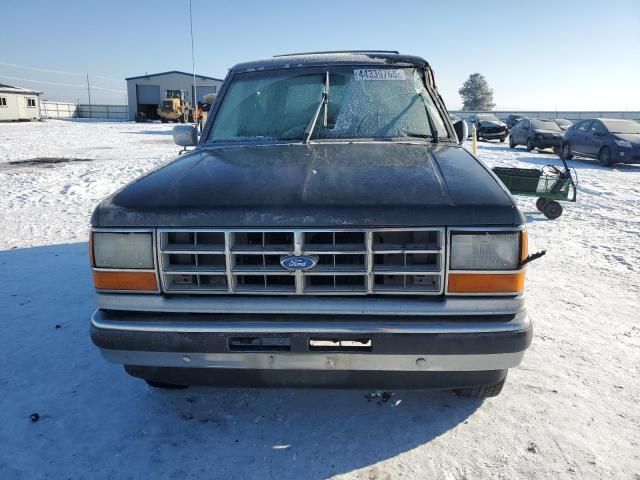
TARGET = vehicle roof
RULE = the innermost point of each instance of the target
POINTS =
(377, 58)
(149, 75)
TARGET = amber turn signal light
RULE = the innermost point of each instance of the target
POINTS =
(486, 282)
(524, 245)
(141, 281)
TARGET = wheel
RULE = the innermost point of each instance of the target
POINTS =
(566, 151)
(181, 119)
(604, 157)
(502, 139)
(540, 203)
(484, 391)
(512, 144)
(165, 386)
(163, 120)
(529, 145)
(552, 210)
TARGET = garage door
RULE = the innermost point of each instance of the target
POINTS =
(148, 94)
(205, 90)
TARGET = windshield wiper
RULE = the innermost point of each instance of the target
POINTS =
(324, 102)
(416, 135)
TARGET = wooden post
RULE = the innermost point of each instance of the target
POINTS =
(474, 139)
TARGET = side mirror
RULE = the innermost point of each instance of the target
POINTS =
(462, 131)
(185, 135)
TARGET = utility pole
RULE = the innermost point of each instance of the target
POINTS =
(194, 100)
(89, 93)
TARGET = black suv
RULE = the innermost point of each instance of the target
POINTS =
(327, 230)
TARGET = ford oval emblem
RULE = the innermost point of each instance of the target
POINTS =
(298, 262)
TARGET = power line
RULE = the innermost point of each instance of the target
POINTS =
(38, 69)
(62, 84)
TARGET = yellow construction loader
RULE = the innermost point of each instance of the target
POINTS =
(175, 107)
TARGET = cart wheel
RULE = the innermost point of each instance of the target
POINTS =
(552, 209)
(540, 203)
(529, 145)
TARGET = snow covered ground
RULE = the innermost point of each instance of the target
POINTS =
(569, 411)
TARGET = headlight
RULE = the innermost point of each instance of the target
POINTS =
(485, 251)
(623, 143)
(123, 261)
(486, 263)
(123, 250)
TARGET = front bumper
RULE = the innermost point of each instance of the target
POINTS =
(492, 135)
(375, 350)
(547, 142)
(625, 155)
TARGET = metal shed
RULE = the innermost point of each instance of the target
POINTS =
(145, 92)
(19, 103)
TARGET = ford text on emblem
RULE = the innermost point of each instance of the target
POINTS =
(302, 262)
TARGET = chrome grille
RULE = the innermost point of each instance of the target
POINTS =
(349, 262)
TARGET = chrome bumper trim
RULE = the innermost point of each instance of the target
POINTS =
(520, 322)
(317, 361)
(453, 306)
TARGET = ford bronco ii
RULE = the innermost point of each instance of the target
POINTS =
(327, 230)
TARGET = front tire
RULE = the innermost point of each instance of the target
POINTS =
(502, 139)
(566, 151)
(604, 157)
(529, 145)
(485, 391)
(512, 144)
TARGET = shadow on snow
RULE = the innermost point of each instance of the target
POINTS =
(96, 421)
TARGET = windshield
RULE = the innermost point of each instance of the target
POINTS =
(545, 125)
(488, 118)
(362, 103)
(622, 126)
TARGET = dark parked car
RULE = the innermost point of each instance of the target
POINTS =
(606, 139)
(512, 119)
(488, 126)
(328, 229)
(563, 123)
(536, 133)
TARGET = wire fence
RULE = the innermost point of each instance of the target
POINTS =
(569, 115)
(72, 110)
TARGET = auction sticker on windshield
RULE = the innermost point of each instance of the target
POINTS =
(378, 74)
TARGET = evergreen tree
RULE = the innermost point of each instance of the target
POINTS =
(476, 94)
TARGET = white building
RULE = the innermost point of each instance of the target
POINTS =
(18, 104)
(146, 92)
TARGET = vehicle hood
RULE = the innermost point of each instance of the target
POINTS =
(629, 137)
(548, 133)
(323, 185)
(491, 123)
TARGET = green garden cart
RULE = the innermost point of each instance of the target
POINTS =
(550, 184)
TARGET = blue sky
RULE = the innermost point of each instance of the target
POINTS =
(575, 55)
